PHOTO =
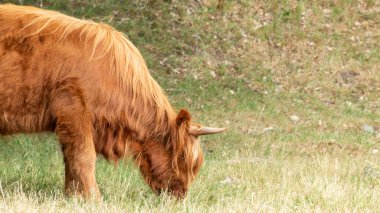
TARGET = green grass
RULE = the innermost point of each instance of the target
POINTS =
(246, 65)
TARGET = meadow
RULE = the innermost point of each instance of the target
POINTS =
(296, 83)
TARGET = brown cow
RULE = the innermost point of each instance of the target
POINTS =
(89, 84)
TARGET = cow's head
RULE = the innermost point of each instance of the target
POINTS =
(172, 164)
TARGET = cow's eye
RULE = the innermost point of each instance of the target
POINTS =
(182, 156)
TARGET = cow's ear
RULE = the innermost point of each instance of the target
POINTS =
(183, 117)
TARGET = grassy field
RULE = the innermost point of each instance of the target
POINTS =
(297, 83)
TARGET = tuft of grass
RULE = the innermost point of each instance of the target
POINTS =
(249, 66)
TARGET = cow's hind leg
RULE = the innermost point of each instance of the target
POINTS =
(74, 130)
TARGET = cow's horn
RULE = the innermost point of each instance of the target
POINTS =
(196, 130)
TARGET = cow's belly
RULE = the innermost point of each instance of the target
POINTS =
(10, 124)
(25, 110)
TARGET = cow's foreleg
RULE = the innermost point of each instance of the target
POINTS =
(80, 170)
(74, 130)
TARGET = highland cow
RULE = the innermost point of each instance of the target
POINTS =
(90, 85)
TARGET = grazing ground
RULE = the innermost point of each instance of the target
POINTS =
(297, 83)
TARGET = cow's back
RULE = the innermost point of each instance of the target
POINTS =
(30, 67)
(40, 50)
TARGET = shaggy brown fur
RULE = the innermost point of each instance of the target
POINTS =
(90, 85)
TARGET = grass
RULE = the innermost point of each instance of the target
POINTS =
(249, 66)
